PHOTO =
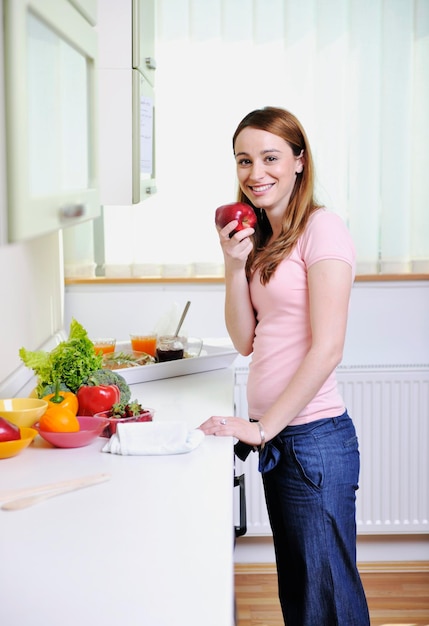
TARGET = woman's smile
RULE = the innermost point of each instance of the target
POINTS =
(260, 189)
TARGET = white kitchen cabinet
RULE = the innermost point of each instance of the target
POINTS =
(127, 102)
(144, 57)
(50, 50)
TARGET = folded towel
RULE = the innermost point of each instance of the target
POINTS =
(153, 438)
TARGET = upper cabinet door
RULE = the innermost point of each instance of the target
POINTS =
(126, 113)
(50, 87)
(144, 38)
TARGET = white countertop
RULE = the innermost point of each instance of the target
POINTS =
(151, 547)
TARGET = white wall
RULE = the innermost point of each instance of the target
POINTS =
(388, 321)
(370, 549)
(118, 310)
(31, 300)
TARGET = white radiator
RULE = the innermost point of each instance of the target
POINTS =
(390, 409)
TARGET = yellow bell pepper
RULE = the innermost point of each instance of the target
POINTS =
(62, 399)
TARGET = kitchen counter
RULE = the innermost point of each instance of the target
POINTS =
(151, 547)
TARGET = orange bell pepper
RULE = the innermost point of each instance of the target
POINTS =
(62, 399)
(59, 419)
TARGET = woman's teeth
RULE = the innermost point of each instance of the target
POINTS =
(261, 188)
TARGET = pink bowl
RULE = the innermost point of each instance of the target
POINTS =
(90, 429)
(145, 416)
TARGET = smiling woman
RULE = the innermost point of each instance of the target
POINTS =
(352, 72)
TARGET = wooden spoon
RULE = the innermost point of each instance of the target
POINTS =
(22, 503)
(13, 494)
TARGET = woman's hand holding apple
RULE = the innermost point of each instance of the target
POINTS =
(235, 223)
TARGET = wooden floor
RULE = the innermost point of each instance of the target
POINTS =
(394, 597)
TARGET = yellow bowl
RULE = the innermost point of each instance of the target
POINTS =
(12, 448)
(23, 412)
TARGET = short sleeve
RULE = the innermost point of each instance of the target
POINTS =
(327, 237)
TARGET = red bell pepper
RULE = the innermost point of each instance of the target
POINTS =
(96, 398)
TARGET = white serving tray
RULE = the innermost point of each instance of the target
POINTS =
(211, 358)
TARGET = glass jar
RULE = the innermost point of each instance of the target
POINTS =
(169, 348)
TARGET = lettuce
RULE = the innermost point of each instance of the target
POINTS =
(70, 362)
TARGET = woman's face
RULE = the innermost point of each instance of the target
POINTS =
(266, 169)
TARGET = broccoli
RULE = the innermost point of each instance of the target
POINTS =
(108, 377)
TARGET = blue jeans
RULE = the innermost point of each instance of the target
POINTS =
(311, 499)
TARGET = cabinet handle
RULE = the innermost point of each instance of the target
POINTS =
(150, 63)
(70, 211)
(150, 190)
(239, 481)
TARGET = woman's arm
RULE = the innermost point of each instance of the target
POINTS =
(329, 285)
(239, 314)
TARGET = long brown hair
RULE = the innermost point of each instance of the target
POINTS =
(301, 203)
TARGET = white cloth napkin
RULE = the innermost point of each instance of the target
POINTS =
(153, 438)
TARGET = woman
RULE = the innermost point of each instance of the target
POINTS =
(288, 286)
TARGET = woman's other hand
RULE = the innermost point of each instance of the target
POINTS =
(237, 427)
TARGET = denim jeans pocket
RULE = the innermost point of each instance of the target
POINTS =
(308, 461)
(351, 443)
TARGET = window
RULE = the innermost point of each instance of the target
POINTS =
(353, 71)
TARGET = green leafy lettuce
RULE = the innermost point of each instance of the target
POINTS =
(70, 362)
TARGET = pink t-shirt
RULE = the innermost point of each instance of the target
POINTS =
(283, 334)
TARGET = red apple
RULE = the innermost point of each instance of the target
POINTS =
(239, 211)
(8, 431)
